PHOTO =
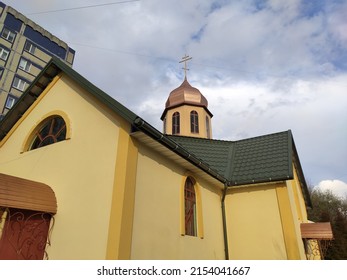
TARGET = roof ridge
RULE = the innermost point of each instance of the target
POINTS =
(200, 138)
(230, 141)
(230, 166)
(264, 135)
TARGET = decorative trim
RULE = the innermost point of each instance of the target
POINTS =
(288, 223)
(123, 198)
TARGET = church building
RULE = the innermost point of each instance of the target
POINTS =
(83, 177)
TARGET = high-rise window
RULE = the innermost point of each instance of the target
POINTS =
(194, 122)
(176, 123)
(19, 84)
(8, 35)
(4, 53)
(24, 64)
(10, 102)
(30, 47)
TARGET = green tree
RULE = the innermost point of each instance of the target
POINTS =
(328, 207)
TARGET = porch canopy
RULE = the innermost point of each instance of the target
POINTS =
(320, 231)
(21, 193)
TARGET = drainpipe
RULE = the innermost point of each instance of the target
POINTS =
(225, 232)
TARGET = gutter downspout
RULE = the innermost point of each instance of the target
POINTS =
(225, 232)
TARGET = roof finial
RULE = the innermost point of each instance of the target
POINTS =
(185, 59)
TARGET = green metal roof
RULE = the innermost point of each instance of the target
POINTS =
(254, 160)
(214, 152)
(263, 158)
(267, 158)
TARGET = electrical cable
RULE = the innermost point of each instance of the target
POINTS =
(83, 7)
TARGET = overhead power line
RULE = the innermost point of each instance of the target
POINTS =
(114, 50)
(161, 58)
(83, 7)
(265, 73)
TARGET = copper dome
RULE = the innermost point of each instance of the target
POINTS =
(186, 94)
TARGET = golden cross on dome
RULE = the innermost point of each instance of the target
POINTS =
(185, 59)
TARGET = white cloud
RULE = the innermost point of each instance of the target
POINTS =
(337, 187)
(337, 22)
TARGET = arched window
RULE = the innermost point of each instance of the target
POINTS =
(208, 134)
(190, 214)
(194, 122)
(176, 123)
(164, 126)
(50, 131)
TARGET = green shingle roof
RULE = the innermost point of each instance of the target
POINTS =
(254, 160)
(214, 152)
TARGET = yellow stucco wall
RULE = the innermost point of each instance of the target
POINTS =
(79, 170)
(254, 223)
(157, 214)
(264, 221)
(298, 210)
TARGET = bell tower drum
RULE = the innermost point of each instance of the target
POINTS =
(186, 110)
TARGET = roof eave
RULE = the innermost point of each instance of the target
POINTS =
(182, 104)
(259, 181)
(177, 148)
(52, 69)
(28, 98)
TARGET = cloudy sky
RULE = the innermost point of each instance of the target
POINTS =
(264, 66)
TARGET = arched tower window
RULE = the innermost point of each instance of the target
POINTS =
(194, 122)
(164, 126)
(208, 133)
(50, 131)
(190, 214)
(176, 123)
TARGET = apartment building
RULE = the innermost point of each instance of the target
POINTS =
(25, 49)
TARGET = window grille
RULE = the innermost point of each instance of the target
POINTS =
(53, 130)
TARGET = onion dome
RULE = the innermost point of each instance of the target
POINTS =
(185, 94)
